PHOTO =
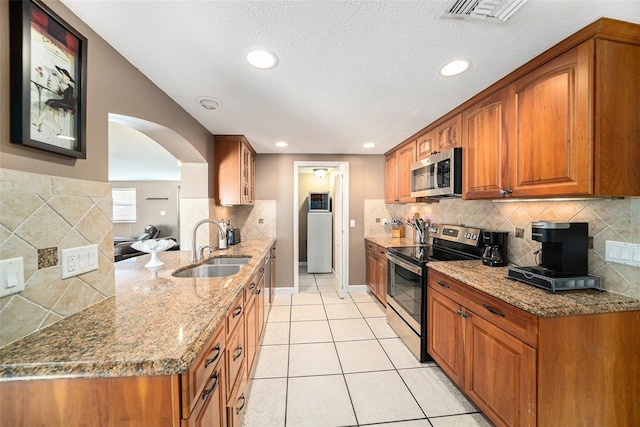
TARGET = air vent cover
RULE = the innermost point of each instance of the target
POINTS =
(492, 10)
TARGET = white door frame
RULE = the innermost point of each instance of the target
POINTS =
(343, 168)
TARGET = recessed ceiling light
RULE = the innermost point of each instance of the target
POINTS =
(368, 145)
(208, 103)
(454, 68)
(262, 59)
(281, 144)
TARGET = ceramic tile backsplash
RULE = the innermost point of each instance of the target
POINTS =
(608, 220)
(46, 213)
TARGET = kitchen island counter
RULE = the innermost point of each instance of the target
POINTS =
(152, 326)
(494, 282)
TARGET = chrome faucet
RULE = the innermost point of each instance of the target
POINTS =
(222, 241)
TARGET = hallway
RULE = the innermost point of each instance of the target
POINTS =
(326, 361)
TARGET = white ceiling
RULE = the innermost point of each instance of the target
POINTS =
(349, 72)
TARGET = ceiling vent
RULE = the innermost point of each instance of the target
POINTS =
(492, 10)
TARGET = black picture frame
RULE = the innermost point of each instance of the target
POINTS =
(48, 73)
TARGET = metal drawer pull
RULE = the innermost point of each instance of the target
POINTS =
(444, 285)
(237, 312)
(244, 400)
(211, 389)
(252, 286)
(237, 354)
(214, 358)
(493, 310)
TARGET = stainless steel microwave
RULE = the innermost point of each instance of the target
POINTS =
(439, 175)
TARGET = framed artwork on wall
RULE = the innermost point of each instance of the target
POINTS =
(48, 80)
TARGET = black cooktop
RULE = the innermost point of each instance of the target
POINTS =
(421, 253)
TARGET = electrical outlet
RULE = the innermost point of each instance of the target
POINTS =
(78, 260)
(520, 232)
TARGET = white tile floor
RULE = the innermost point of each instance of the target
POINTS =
(326, 361)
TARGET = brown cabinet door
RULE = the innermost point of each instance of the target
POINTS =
(425, 145)
(448, 134)
(500, 373)
(391, 178)
(444, 340)
(381, 277)
(551, 150)
(371, 271)
(406, 157)
(484, 142)
(251, 331)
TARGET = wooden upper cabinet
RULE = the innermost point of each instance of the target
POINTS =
(550, 153)
(484, 142)
(567, 127)
(448, 134)
(234, 170)
(391, 178)
(426, 144)
(398, 174)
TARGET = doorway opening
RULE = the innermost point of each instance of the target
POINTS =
(335, 180)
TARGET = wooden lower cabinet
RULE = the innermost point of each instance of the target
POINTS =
(523, 370)
(376, 270)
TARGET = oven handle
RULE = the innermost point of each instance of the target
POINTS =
(411, 267)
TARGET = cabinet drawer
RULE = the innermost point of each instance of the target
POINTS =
(234, 315)
(210, 407)
(237, 403)
(235, 355)
(202, 371)
(509, 318)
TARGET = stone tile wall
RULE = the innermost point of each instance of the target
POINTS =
(39, 216)
(608, 220)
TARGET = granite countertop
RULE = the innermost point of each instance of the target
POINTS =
(389, 242)
(493, 281)
(152, 326)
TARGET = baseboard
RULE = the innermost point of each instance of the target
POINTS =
(357, 288)
(284, 291)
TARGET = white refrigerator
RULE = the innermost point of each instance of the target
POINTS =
(319, 242)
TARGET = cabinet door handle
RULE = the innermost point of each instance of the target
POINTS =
(211, 389)
(459, 312)
(505, 192)
(237, 312)
(444, 285)
(240, 408)
(493, 310)
(214, 358)
(237, 354)
(258, 291)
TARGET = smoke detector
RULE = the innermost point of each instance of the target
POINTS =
(491, 10)
(208, 103)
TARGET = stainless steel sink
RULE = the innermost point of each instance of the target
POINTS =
(209, 270)
(228, 260)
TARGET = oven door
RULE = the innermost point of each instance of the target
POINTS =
(405, 291)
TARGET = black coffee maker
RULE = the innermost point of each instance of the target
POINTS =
(495, 248)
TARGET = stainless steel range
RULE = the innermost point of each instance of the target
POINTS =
(407, 280)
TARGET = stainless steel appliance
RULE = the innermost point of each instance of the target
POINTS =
(564, 260)
(439, 175)
(495, 252)
(233, 236)
(407, 280)
(319, 201)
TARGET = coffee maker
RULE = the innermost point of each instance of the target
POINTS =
(564, 248)
(495, 248)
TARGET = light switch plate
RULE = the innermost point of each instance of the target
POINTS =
(622, 252)
(11, 276)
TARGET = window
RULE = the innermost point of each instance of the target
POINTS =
(124, 204)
